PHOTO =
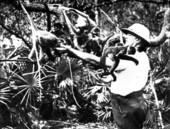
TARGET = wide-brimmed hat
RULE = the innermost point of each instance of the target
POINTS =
(138, 30)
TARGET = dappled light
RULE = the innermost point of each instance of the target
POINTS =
(58, 62)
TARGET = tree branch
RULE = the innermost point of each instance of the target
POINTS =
(142, 1)
(53, 8)
(164, 32)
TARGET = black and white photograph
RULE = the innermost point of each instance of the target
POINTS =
(84, 64)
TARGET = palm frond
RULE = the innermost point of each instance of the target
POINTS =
(5, 95)
(64, 84)
(105, 113)
(101, 97)
(62, 68)
(30, 87)
(92, 91)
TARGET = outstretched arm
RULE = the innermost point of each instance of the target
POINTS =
(90, 58)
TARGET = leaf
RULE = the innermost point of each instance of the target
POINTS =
(5, 95)
(29, 89)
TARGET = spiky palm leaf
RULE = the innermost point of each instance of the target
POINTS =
(4, 95)
(98, 91)
(4, 89)
(68, 71)
(29, 87)
(105, 114)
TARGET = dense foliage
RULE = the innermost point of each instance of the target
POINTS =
(67, 88)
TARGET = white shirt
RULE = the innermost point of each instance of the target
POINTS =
(131, 77)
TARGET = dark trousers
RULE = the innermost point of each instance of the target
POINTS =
(129, 111)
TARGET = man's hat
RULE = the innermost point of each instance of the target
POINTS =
(138, 30)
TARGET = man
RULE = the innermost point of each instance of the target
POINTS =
(128, 104)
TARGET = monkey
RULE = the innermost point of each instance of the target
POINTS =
(77, 34)
(82, 27)
(93, 42)
(44, 39)
(58, 30)
(93, 46)
(118, 52)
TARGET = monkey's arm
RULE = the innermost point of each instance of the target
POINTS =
(93, 23)
(75, 42)
(114, 51)
(117, 60)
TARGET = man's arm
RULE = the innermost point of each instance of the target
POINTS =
(90, 58)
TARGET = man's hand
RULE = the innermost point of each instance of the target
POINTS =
(63, 48)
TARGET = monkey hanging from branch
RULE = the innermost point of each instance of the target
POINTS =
(118, 52)
(44, 39)
(83, 25)
(73, 32)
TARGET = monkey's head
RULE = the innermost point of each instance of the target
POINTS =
(114, 40)
(58, 26)
(61, 41)
(95, 31)
(131, 50)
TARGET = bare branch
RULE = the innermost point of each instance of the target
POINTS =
(142, 1)
(160, 39)
(53, 8)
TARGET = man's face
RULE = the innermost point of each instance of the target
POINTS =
(131, 40)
